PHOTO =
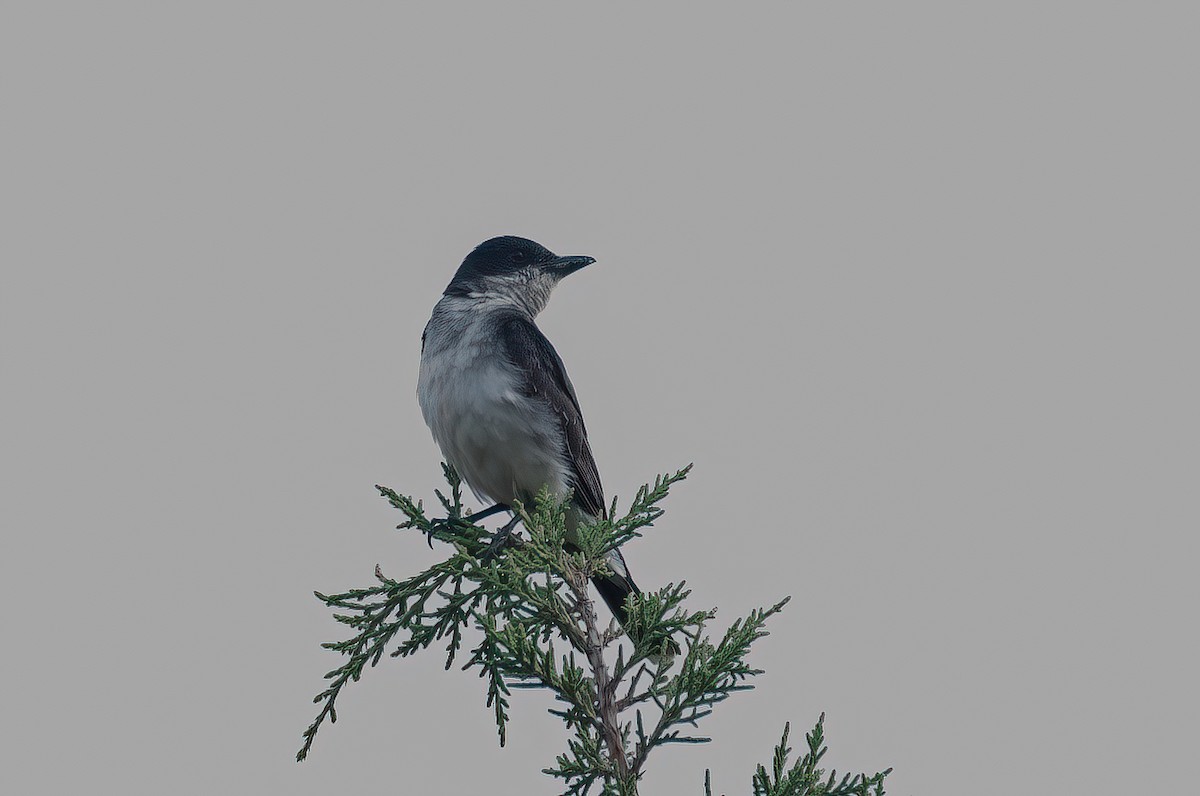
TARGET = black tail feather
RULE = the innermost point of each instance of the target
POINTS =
(614, 589)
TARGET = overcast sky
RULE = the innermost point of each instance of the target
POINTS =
(913, 285)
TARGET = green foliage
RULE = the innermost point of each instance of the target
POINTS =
(620, 692)
(804, 778)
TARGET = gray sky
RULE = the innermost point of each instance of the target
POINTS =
(913, 286)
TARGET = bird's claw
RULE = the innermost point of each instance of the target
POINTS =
(500, 540)
(435, 525)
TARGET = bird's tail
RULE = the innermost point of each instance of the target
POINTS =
(615, 586)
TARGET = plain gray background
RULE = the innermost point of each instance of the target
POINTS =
(913, 285)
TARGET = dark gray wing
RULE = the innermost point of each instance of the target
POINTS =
(546, 379)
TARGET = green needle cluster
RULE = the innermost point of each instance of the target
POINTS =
(620, 692)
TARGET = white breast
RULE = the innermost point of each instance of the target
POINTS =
(504, 444)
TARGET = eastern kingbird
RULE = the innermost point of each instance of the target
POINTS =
(496, 396)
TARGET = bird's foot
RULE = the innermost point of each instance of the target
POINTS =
(470, 519)
(502, 539)
(436, 525)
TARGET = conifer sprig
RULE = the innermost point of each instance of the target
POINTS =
(804, 778)
(620, 692)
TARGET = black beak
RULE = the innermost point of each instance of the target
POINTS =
(568, 265)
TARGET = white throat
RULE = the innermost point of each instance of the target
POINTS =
(527, 290)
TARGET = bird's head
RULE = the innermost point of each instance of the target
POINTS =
(515, 269)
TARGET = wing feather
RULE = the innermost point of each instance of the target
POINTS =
(546, 379)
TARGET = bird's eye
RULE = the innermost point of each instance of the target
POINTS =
(517, 257)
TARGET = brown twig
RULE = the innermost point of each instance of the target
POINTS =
(610, 726)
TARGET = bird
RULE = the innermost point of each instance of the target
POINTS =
(497, 399)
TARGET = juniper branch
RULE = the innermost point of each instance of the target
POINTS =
(804, 778)
(530, 607)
